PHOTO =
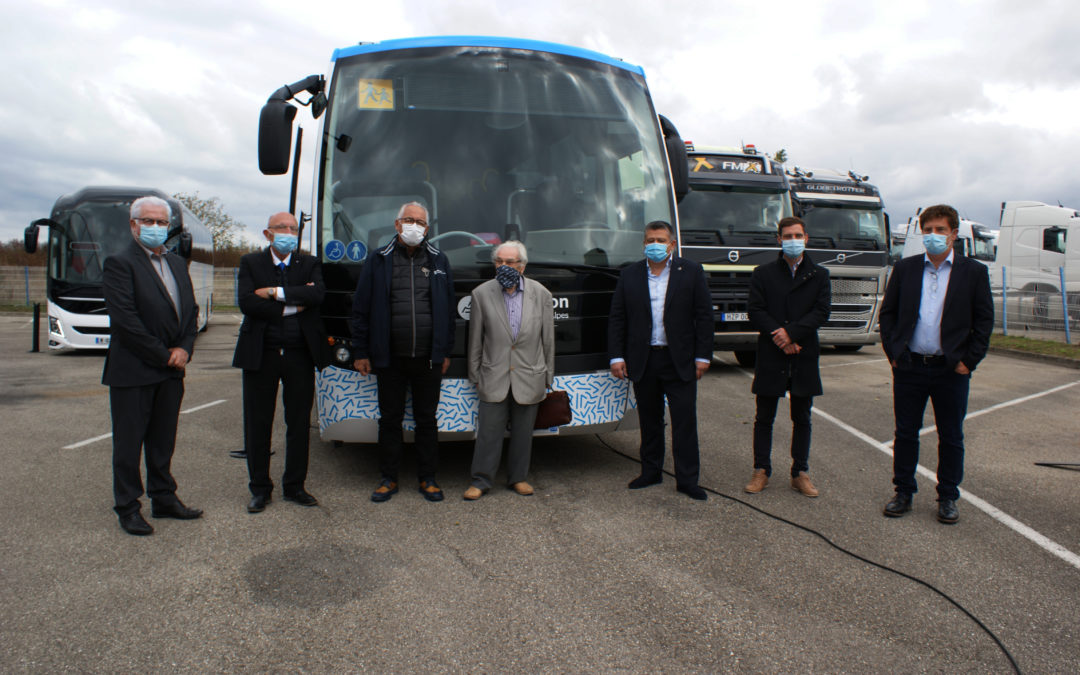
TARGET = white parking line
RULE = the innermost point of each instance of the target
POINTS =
(102, 437)
(997, 514)
(852, 363)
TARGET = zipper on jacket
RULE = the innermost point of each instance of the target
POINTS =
(412, 301)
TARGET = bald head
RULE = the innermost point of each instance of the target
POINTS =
(282, 220)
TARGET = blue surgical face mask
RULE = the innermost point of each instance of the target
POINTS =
(153, 236)
(793, 248)
(656, 252)
(285, 243)
(935, 244)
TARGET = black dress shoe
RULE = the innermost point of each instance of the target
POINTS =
(258, 503)
(693, 492)
(644, 481)
(134, 523)
(946, 511)
(900, 504)
(303, 498)
(175, 510)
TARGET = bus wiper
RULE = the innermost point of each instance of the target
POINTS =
(576, 267)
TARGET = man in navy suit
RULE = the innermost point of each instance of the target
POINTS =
(936, 320)
(660, 335)
(152, 318)
(281, 340)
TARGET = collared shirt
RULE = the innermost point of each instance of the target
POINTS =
(514, 304)
(164, 272)
(927, 336)
(794, 267)
(658, 284)
(279, 292)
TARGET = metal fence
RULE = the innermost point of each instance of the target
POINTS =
(26, 285)
(1044, 313)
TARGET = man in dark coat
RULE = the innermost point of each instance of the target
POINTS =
(936, 320)
(152, 316)
(660, 335)
(789, 301)
(281, 340)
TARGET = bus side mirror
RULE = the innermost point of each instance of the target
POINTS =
(275, 137)
(676, 152)
(183, 245)
(30, 235)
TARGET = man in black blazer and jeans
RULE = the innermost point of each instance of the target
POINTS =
(936, 320)
(660, 335)
(152, 318)
(282, 339)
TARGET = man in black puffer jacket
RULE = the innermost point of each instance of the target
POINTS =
(403, 331)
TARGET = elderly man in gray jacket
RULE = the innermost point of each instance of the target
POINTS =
(512, 362)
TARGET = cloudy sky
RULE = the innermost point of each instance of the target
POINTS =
(970, 103)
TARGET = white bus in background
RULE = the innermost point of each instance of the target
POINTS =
(86, 227)
(1035, 242)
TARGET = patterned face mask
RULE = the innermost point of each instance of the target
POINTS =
(507, 276)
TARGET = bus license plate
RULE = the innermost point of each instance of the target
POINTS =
(101, 340)
(734, 316)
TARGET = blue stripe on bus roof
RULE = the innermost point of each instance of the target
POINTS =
(483, 41)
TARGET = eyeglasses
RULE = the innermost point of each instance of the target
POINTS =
(505, 261)
(151, 221)
(284, 228)
(407, 220)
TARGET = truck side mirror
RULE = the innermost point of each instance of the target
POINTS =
(275, 137)
(676, 152)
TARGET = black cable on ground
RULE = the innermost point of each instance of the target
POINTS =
(1060, 465)
(838, 547)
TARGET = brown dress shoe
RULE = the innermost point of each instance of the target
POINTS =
(473, 493)
(522, 488)
(757, 482)
(803, 485)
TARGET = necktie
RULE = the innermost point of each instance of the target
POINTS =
(282, 279)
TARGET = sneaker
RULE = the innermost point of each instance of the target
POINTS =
(387, 489)
(757, 482)
(802, 484)
(431, 490)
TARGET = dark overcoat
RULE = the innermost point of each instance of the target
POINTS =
(800, 304)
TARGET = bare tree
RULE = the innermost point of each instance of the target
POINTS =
(211, 212)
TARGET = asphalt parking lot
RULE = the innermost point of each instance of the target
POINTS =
(584, 576)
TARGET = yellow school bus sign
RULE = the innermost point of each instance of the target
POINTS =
(376, 95)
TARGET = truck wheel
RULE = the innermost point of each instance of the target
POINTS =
(847, 348)
(746, 359)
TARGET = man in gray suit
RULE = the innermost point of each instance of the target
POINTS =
(512, 362)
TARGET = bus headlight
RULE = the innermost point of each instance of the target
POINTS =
(342, 354)
(54, 326)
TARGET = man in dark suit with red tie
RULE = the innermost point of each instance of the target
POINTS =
(660, 335)
(152, 318)
(281, 340)
(936, 320)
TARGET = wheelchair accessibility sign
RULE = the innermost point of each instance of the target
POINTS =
(334, 250)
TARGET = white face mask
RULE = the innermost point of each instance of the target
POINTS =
(411, 234)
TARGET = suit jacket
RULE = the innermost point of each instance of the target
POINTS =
(798, 304)
(259, 270)
(143, 322)
(688, 318)
(497, 362)
(967, 317)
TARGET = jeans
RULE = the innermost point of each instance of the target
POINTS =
(800, 433)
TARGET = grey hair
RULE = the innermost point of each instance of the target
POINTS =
(138, 204)
(401, 211)
(522, 253)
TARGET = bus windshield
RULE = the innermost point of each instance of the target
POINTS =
(738, 217)
(836, 227)
(561, 153)
(89, 233)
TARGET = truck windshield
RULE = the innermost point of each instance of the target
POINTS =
(834, 227)
(738, 217)
(558, 152)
